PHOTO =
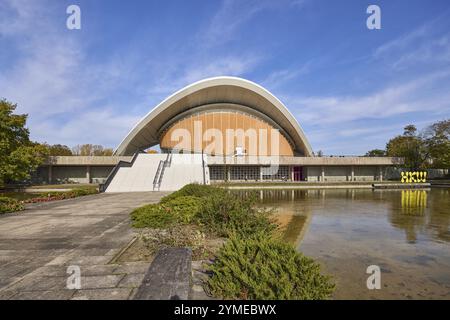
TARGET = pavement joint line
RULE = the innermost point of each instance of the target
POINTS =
(122, 251)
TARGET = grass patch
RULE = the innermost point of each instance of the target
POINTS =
(10, 205)
(259, 267)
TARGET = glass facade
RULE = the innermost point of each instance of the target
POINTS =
(249, 173)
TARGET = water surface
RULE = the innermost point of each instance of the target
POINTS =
(404, 232)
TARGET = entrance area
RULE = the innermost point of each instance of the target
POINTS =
(298, 173)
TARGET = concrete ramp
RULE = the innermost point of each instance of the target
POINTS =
(184, 169)
(158, 172)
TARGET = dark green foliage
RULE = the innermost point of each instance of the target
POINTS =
(18, 155)
(260, 267)
(182, 210)
(193, 189)
(152, 216)
(224, 213)
(10, 205)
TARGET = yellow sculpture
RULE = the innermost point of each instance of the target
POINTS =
(412, 177)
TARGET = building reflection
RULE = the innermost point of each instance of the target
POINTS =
(415, 212)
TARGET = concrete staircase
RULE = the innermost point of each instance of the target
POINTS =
(158, 172)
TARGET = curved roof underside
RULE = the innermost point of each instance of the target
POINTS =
(213, 90)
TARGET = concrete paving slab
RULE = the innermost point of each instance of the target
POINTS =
(37, 245)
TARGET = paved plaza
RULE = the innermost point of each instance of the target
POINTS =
(37, 246)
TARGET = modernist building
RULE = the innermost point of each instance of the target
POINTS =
(218, 129)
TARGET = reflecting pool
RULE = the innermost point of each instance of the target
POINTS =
(404, 232)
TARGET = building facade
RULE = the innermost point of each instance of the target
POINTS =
(238, 131)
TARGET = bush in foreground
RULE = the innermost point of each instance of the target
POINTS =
(10, 205)
(260, 267)
(215, 210)
(224, 213)
(193, 189)
(180, 210)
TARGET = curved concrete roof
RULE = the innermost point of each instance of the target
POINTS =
(208, 91)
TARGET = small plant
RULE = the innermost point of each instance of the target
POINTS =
(10, 205)
(260, 267)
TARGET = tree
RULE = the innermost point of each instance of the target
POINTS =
(409, 146)
(437, 141)
(91, 150)
(58, 150)
(375, 153)
(410, 130)
(152, 151)
(19, 157)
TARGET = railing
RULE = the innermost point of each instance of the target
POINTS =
(103, 186)
(156, 179)
(163, 164)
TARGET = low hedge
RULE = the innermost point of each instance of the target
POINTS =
(224, 214)
(180, 210)
(10, 205)
(193, 189)
(216, 210)
(62, 195)
(260, 267)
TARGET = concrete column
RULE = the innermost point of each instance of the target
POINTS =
(50, 173)
(291, 169)
(352, 175)
(228, 173)
(381, 174)
(323, 174)
(88, 174)
(260, 174)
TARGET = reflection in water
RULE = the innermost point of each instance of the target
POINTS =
(414, 202)
(406, 233)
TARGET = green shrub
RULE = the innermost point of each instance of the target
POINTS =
(152, 216)
(61, 195)
(260, 267)
(10, 205)
(224, 213)
(193, 189)
(181, 210)
(83, 191)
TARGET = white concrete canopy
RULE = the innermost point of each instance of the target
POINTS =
(146, 132)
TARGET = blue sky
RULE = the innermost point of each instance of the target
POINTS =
(350, 88)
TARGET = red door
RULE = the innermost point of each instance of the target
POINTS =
(298, 174)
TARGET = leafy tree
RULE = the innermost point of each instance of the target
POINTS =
(19, 157)
(58, 150)
(437, 141)
(410, 130)
(375, 153)
(409, 146)
(91, 150)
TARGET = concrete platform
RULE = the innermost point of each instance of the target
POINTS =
(38, 244)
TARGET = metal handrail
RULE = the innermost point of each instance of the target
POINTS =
(163, 164)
